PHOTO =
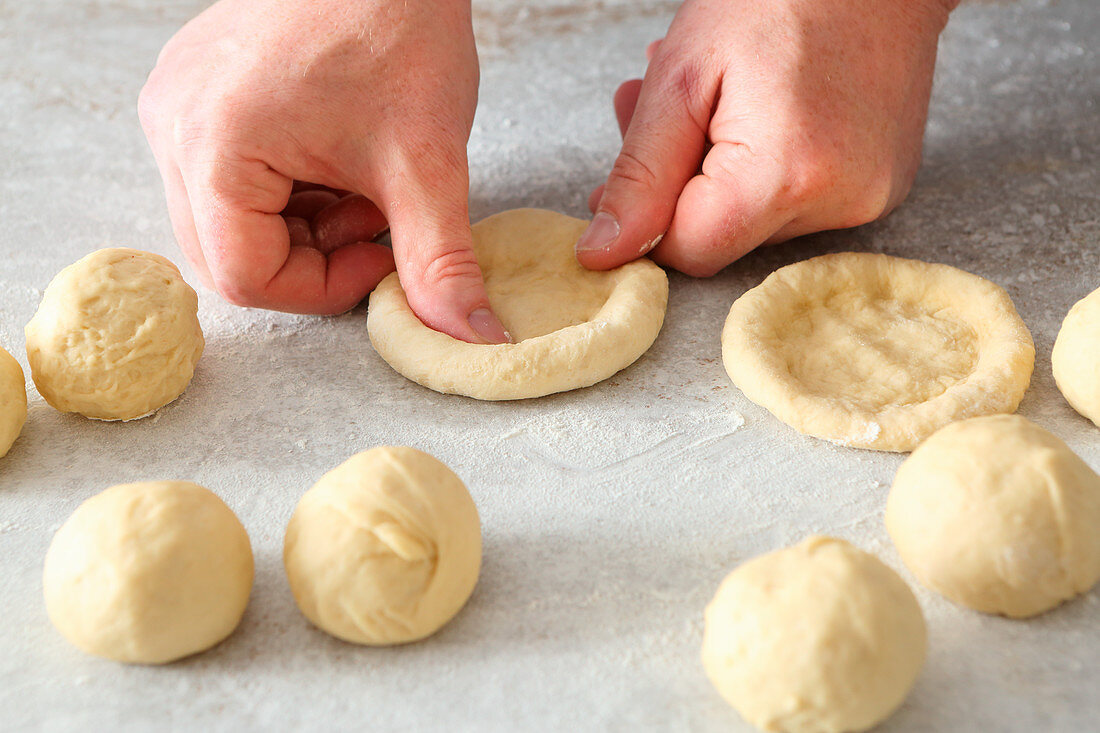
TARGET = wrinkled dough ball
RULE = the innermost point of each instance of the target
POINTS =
(999, 515)
(385, 548)
(816, 637)
(1076, 357)
(148, 572)
(13, 401)
(116, 336)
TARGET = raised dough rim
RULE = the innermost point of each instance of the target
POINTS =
(631, 283)
(992, 387)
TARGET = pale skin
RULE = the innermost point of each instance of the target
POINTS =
(291, 134)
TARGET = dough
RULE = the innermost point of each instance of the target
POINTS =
(1076, 357)
(13, 401)
(385, 548)
(877, 352)
(572, 327)
(999, 515)
(816, 637)
(116, 336)
(148, 572)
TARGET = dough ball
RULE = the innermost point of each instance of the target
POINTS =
(148, 572)
(385, 548)
(816, 637)
(116, 336)
(1076, 357)
(572, 327)
(999, 515)
(879, 352)
(13, 401)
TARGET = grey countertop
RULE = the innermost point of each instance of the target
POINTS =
(610, 514)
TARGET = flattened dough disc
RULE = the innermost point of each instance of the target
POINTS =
(877, 352)
(572, 327)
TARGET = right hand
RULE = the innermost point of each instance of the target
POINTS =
(254, 98)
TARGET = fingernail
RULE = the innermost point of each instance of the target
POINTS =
(488, 327)
(600, 233)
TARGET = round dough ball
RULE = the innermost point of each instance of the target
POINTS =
(385, 548)
(1076, 357)
(13, 401)
(873, 351)
(116, 336)
(999, 515)
(572, 327)
(816, 637)
(148, 572)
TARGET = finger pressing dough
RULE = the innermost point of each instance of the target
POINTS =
(873, 351)
(816, 637)
(13, 401)
(148, 572)
(572, 327)
(116, 336)
(385, 548)
(999, 515)
(1076, 357)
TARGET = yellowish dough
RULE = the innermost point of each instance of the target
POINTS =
(1076, 357)
(817, 637)
(999, 515)
(13, 401)
(148, 572)
(385, 548)
(116, 336)
(873, 351)
(572, 327)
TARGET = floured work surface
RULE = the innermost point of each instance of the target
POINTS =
(600, 551)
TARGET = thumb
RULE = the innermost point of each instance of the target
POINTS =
(433, 248)
(662, 150)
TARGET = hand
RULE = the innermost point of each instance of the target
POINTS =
(763, 120)
(254, 98)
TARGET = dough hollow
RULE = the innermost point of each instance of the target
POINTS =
(879, 352)
(998, 515)
(572, 327)
(816, 637)
(1076, 357)
(116, 336)
(13, 401)
(148, 573)
(385, 548)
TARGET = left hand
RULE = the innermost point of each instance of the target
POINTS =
(763, 120)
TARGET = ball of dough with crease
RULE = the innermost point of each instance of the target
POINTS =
(571, 327)
(116, 336)
(1076, 357)
(999, 515)
(385, 548)
(13, 401)
(873, 351)
(816, 637)
(148, 572)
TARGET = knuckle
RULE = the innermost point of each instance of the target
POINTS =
(451, 265)
(631, 170)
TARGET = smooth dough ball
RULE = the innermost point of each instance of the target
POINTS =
(148, 572)
(1076, 357)
(13, 401)
(816, 637)
(572, 327)
(999, 515)
(116, 336)
(385, 548)
(879, 352)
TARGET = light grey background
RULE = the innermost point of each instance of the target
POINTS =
(609, 514)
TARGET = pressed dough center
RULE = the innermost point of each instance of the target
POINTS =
(872, 353)
(535, 301)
